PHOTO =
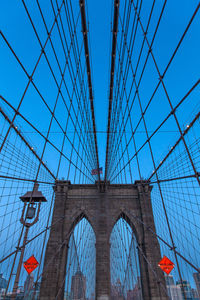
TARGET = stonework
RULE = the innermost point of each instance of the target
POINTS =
(102, 205)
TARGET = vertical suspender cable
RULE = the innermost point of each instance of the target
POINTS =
(85, 37)
(114, 44)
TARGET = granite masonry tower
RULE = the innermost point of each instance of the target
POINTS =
(102, 205)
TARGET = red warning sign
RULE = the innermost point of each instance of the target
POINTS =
(166, 265)
(31, 264)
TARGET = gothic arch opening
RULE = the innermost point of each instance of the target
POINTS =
(81, 262)
(124, 262)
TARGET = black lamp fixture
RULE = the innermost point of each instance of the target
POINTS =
(32, 198)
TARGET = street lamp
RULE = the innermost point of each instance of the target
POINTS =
(31, 211)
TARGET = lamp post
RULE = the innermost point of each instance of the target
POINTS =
(30, 212)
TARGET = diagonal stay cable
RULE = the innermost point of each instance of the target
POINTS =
(160, 125)
(52, 72)
(38, 131)
(25, 141)
(125, 76)
(144, 67)
(161, 78)
(30, 76)
(162, 82)
(45, 102)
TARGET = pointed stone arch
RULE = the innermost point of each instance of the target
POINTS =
(80, 216)
(125, 237)
(131, 222)
(83, 238)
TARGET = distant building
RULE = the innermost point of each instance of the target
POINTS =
(36, 290)
(185, 289)
(28, 286)
(136, 293)
(3, 282)
(78, 286)
(174, 291)
(20, 289)
(169, 279)
(19, 295)
(195, 294)
(117, 291)
(197, 282)
(3, 285)
(92, 297)
(130, 295)
(67, 296)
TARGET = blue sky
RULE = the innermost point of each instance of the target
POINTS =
(180, 77)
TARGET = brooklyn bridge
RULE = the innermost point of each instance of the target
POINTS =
(100, 150)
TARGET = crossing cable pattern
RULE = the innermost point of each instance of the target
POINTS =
(125, 273)
(81, 263)
(151, 111)
(153, 106)
(54, 94)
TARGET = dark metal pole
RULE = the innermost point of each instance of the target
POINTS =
(20, 264)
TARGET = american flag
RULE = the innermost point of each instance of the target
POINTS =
(97, 171)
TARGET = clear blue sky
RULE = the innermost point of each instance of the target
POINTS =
(180, 77)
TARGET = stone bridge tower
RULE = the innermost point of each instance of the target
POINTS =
(102, 205)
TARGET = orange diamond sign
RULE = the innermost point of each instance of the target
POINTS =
(31, 264)
(166, 265)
